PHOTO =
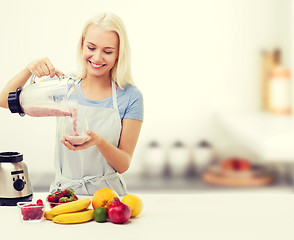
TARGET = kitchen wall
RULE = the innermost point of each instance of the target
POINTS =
(191, 59)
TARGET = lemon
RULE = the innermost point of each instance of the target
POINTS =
(100, 214)
(135, 203)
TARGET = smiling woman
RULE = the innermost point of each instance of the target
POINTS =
(108, 100)
(112, 105)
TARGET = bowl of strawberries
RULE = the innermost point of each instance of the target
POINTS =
(61, 196)
(31, 212)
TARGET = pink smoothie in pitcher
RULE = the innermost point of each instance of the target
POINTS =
(47, 111)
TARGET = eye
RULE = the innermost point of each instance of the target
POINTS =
(107, 52)
(91, 48)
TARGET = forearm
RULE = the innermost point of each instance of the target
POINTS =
(19, 80)
(117, 158)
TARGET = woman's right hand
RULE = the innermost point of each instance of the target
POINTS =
(43, 67)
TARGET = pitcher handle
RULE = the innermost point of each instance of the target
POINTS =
(33, 77)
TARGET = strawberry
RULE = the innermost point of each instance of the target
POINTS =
(52, 198)
(64, 192)
(68, 192)
(66, 199)
(40, 202)
(62, 196)
(58, 194)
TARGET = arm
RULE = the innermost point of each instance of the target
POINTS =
(19, 80)
(118, 157)
(40, 67)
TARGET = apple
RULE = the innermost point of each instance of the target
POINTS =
(236, 164)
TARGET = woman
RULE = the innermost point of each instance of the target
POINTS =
(108, 99)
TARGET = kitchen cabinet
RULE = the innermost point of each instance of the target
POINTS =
(175, 216)
(269, 137)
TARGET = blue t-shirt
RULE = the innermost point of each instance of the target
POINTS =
(129, 101)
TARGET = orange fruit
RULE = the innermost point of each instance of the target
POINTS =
(135, 203)
(103, 198)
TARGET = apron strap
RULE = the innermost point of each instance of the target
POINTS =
(114, 99)
(81, 183)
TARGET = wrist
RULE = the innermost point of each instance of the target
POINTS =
(27, 70)
(100, 141)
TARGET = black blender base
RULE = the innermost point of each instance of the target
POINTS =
(14, 201)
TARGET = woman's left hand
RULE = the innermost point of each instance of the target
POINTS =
(93, 140)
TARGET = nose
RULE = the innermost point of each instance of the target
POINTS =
(97, 56)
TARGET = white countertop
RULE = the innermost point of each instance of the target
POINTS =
(235, 216)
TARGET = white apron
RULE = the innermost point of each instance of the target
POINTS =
(87, 171)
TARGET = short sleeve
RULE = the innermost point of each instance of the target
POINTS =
(135, 108)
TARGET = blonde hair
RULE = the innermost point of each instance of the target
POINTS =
(121, 71)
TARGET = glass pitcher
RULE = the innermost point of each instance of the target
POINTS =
(53, 97)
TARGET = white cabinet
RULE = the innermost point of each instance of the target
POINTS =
(270, 137)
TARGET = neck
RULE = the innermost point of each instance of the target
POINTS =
(96, 88)
(101, 82)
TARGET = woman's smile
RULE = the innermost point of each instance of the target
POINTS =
(96, 66)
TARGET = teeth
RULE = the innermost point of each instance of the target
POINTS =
(97, 65)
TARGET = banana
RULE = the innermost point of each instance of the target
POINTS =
(69, 207)
(74, 217)
(48, 215)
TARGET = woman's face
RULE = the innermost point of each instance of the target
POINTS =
(100, 51)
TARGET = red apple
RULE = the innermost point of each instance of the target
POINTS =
(244, 165)
(235, 164)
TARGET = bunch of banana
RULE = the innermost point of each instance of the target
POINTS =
(71, 212)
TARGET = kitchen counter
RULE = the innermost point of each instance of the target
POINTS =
(175, 216)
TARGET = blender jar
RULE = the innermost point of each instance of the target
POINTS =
(45, 98)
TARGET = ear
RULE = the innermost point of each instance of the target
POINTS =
(82, 43)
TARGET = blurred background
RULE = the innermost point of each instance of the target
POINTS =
(216, 80)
